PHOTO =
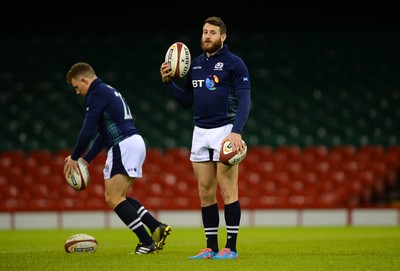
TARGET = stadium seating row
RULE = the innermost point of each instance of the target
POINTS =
(282, 177)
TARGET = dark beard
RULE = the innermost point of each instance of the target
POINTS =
(215, 47)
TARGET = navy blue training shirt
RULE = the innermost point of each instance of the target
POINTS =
(219, 89)
(106, 110)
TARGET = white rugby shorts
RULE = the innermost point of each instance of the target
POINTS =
(126, 158)
(206, 143)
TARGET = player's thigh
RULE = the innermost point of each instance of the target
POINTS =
(227, 176)
(205, 173)
(118, 185)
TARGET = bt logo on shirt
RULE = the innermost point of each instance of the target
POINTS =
(210, 83)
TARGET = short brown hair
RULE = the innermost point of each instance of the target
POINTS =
(217, 21)
(79, 69)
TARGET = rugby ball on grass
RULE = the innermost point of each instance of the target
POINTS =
(79, 180)
(228, 156)
(80, 242)
(179, 58)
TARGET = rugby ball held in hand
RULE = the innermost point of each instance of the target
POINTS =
(228, 156)
(80, 242)
(179, 58)
(79, 180)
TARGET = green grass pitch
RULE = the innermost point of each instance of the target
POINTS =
(291, 248)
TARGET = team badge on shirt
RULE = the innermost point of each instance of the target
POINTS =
(218, 66)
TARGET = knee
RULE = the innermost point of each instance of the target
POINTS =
(229, 195)
(109, 201)
(113, 201)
